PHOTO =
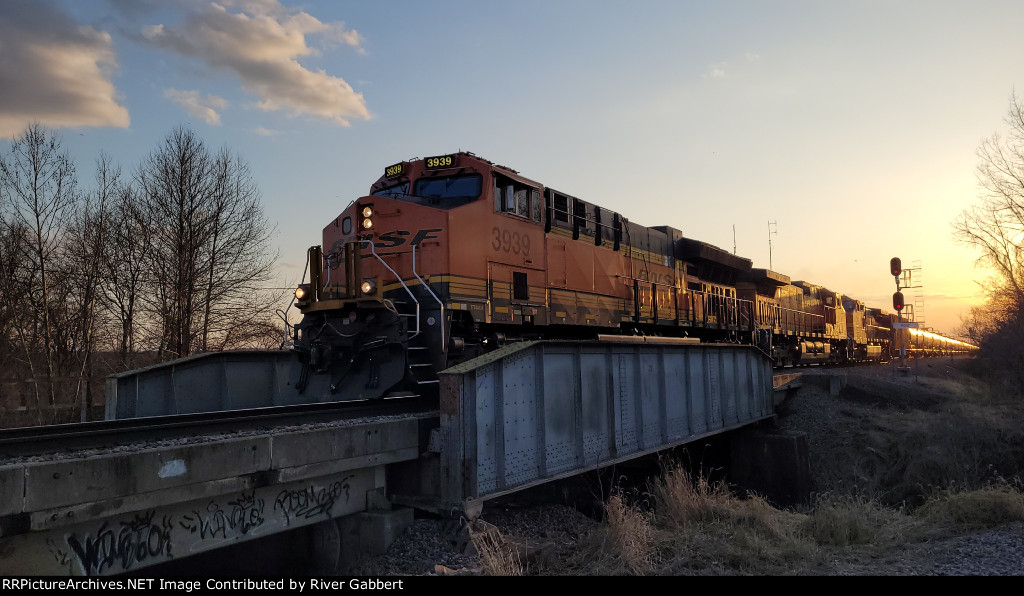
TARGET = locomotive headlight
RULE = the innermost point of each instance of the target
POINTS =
(367, 213)
(303, 295)
(368, 286)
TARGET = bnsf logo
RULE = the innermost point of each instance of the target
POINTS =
(398, 237)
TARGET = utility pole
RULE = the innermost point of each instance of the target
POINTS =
(771, 232)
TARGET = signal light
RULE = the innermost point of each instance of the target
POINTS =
(895, 266)
(897, 301)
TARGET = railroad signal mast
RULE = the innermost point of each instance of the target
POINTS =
(896, 268)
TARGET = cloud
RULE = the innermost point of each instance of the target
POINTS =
(262, 45)
(54, 71)
(198, 105)
(264, 132)
(716, 71)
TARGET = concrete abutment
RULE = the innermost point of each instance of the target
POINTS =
(772, 463)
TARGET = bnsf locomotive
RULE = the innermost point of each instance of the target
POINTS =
(451, 256)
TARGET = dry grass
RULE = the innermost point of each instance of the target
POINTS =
(499, 556)
(683, 500)
(692, 526)
(844, 521)
(630, 534)
(968, 510)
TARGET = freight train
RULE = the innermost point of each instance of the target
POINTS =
(450, 256)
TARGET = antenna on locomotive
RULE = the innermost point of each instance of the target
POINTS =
(771, 232)
(733, 238)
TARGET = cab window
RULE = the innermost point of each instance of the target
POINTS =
(516, 198)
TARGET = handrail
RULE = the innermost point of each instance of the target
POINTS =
(373, 251)
(444, 345)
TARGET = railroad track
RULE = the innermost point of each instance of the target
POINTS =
(79, 436)
(41, 441)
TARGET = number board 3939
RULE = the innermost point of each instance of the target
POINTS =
(439, 161)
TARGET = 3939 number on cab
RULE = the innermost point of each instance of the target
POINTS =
(440, 161)
(511, 242)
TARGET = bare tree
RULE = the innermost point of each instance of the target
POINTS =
(235, 305)
(13, 294)
(176, 258)
(177, 189)
(85, 253)
(209, 246)
(124, 276)
(39, 193)
(996, 225)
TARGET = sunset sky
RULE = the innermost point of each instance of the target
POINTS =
(839, 134)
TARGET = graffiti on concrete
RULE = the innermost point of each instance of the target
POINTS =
(236, 517)
(129, 542)
(309, 501)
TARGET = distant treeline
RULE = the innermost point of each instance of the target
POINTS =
(169, 259)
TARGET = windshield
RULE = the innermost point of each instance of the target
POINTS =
(393, 191)
(445, 192)
(449, 187)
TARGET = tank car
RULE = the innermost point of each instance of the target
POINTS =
(923, 343)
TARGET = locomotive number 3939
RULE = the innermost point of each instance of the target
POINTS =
(439, 162)
(513, 242)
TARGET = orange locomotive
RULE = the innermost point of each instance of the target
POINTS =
(452, 255)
